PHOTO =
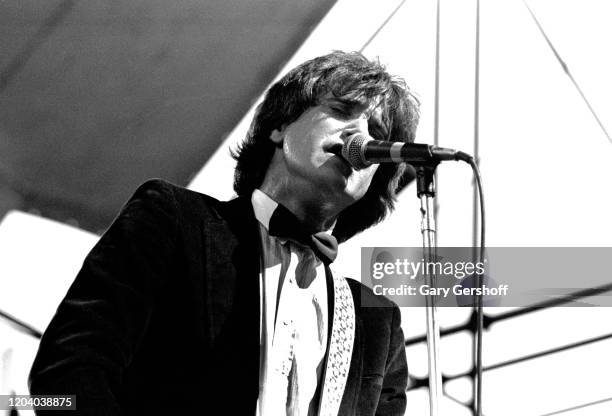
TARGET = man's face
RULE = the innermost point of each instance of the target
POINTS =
(311, 151)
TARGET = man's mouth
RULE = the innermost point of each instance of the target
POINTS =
(336, 149)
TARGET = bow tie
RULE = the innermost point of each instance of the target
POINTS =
(284, 224)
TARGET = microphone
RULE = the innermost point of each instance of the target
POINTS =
(362, 151)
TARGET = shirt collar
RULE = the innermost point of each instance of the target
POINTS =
(263, 207)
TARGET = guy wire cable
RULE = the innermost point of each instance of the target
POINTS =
(566, 70)
(381, 27)
(580, 406)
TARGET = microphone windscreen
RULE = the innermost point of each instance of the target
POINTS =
(352, 151)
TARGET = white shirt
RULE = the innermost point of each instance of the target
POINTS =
(293, 321)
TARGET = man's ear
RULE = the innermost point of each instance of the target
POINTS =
(277, 137)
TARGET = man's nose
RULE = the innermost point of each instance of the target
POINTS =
(356, 126)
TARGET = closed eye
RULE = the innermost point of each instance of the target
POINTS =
(344, 108)
(343, 112)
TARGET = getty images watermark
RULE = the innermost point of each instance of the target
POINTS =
(508, 276)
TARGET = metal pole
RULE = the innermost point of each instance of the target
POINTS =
(478, 312)
(426, 193)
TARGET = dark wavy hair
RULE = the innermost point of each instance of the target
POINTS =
(353, 79)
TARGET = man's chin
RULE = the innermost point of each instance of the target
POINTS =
(348, 193)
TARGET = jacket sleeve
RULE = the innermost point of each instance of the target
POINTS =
(393, 394)
(99, 324)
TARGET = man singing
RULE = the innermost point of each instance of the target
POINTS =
(192, 305)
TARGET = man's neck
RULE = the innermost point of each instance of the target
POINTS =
(314, 211)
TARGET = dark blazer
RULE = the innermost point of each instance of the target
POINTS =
(164, 317)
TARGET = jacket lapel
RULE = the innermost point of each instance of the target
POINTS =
(232, 265)
(232, 262)
(340, 346)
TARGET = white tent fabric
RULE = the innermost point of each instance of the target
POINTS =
(38, 261)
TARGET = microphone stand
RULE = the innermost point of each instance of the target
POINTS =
(426, 192)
